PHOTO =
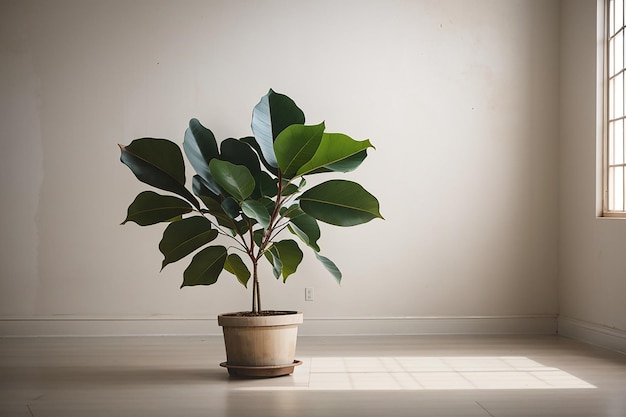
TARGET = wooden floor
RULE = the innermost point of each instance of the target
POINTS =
(469, 376)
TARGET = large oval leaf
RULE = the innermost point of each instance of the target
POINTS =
(289, 256)
(256, 210)
(341, 203)
(270, 116)
(334, 148)
(330, 267)
(236, 180)
(240, 153)
(295, 146)
(200, 147)
(205, 267)
(305, 227)
(159, 163)
(235, 266)
(277, 266)
(151, 208)
(185, 236)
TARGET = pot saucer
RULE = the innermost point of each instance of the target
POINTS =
(260, 371)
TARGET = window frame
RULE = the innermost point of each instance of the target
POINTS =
(608, 120)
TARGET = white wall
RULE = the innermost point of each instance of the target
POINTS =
(592, 262)
(460, 99)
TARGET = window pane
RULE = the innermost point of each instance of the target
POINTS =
(616, 185)
(618, 96)
(611, 187)
(618, 51)
(611, 50)
(619, 189)
(611, 17)
(619, 142)
(619, 14)
(611, 144)
(612, 99)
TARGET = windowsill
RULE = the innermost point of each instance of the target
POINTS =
(621, 215)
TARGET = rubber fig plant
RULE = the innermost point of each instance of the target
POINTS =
(249, 190)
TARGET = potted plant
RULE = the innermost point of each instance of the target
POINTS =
(249, 192)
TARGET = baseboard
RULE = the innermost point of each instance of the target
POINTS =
(430, 325)
(68, 326)
(593, 333)
(312, 326)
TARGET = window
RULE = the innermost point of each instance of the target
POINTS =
(615, 149)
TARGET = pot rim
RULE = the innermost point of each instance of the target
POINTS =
(289, 318)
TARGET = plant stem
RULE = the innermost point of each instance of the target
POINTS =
(256, 295)
(268, 235)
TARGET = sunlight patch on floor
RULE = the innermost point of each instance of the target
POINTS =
(423, 373)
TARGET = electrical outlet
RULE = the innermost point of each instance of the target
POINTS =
(309, 295)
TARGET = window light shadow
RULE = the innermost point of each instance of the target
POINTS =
(424, 373)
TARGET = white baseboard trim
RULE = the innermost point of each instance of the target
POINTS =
(536, 324)
(312, 326)
(593, 333)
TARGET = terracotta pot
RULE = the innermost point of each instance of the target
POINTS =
(260, 346)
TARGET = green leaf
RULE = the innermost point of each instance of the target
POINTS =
(269, 204)
(257, 211)
(243, 226)
(159, 163)
(333, 148)
(250, 140)
(236, 180)
(240, 153)
(216, 210)
(257, 236)
(277, 265)
(200, 147)
(345, 165)
(185, 236)
(231, 207)
(288, 254)
(212, 203)
(237, 267)
(349, 164)
(340, 202)
(270, 117)
(295, 146)
(290, 189)
(202, 189)
(267, 185)
(151, 208)
(205, 267)
(305, 227)
(330, 267)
